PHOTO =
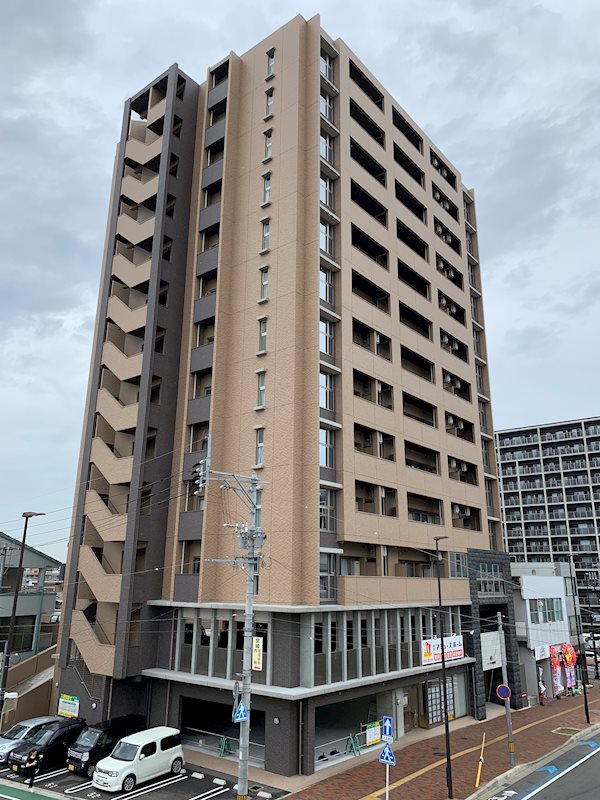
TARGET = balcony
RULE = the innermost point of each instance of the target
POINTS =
(205, 307)
(128, 319)
(124, 367)
(142, 145)
(139, 190)
(218, 94)
(129, 273)
(202, 358)
(134, 231)
(106, 586)
(367, 590)
(111, 527)
(214, 133)
(208, 261)
(198, 411)
(186, 588)
(115, 468)
(210, 217)
(120, 417)
(99, 658)
(190, 526)
(212, 174)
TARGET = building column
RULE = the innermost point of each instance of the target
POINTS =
(38, 620)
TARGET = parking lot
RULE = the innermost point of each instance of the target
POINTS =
(188, 785)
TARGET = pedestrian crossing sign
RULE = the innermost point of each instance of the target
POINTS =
(241, 714)
(387, 756)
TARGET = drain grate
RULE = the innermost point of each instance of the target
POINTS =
(567, 731)
(254, 788)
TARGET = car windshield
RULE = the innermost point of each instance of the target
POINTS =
(88, 737)
(125, 751)
(42, 736)
(16, 732)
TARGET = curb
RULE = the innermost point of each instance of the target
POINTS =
(522, 770)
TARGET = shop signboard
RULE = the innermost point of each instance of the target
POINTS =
(431, 649)
(542, 651)
(68, 705)
(373, 733)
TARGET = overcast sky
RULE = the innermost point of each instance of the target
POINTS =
(509, 89)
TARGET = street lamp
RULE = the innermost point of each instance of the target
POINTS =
(581, 655)
(437, 540)
(11, 628)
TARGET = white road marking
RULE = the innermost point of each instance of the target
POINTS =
(209, 794)
(81, 786)
(159, 785)
(560, 774)
(51, 775)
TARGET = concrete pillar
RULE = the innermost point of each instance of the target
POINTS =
(38, 620)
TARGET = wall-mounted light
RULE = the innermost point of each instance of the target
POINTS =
(276, 720)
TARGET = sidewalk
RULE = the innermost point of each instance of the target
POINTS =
(420, 769)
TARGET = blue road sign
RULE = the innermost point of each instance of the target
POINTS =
(387, 757)
(241, 715)
(503, 692)
(388, 729)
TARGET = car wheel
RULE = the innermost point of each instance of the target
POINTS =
(129, 783)
(90, 770)
(176, 766)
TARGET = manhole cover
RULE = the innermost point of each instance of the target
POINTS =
(567, 731)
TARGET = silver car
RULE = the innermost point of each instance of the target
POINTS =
(20, 731)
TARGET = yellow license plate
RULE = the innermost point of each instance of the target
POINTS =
(15, 768)
(71, 767)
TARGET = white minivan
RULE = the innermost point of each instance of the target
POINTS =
(139, 758)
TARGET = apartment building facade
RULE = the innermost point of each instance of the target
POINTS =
(550, 494)
(291, 269)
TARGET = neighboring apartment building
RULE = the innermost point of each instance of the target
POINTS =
(292, 269)
(550, 494)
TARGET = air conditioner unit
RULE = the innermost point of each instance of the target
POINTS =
(460, 424)
(440, 265)
(449, 420)
(455, 346)
(444, 172)
(452, 309)
(446, 205)
(447, 378)
(445, 339)
(450, 273)
(457, 384)
(463, 467)
(437, 196)
(455, 509)
(448, 238)
(452, 463)
(443, 302)
(435, 162)
(438, 230)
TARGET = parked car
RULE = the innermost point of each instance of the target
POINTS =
(53, 741)
(98, 741)
(18, 733)
(139, 758)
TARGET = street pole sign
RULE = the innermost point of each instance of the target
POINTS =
(387, 724)
(503, 691)
(388, 758)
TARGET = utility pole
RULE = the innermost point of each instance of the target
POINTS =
(581, 654)
(11, 628)
(252, 538)
(437, 540)
(511, 744)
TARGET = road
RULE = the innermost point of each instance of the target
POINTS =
(573, 775)
(189, 785)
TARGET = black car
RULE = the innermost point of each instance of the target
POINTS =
(52, 741)
(98, 741)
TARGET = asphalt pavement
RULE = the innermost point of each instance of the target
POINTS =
(188, 785)
(572, 774)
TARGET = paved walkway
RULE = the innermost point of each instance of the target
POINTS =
(421, 767)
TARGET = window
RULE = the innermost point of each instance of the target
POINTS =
(483, 416)
(326, 238)
(148, 749)
(270, 63)
(269, 105)
(459, 567)
(368, 87)
(327, 576)
(407, 130)
(266, 188)
(367, 124)
(548, 609)
(326, 192)
(326, 105)
(262, 388)
(326, 337)
(327, 286)
(326, 66)
(268, 144)
(196, 563)
(258, 508)
(327, 448)
(327, 510)
(260, 443)
(169, 742)
(262, 335)
(367, 162)
(490, 579)
(327, 391)
(266, 234)
(326, 147)
(264, 283)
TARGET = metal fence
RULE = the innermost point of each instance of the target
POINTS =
(221, 745)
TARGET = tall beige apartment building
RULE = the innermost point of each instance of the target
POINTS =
(291, 269)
